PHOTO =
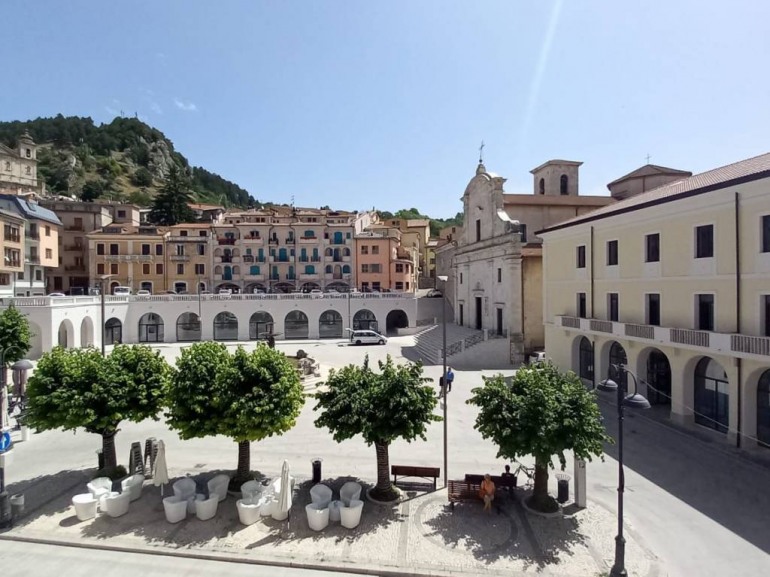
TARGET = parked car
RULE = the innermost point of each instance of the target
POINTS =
(225, 291)
(56, 295)
(143, 293)
(317, 293)
(121, 290)
(366, 337)
(434, 294)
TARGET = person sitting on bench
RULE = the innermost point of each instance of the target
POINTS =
(487, 492)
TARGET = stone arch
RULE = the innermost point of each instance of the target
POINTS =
(346, 251)
(188, 327)
(255, 287)
(611, 353)
(330, 325)
(260, 325)
(225, 327)
(345, 269)
(295, 325)
(396, 319)
(583, 359)
(365, 319)
(151, 328)
(711, 395)
(218, 269)
(66, 334)
(236, 251)
(113, 332)
(87, 332)
(217, 251)
(654, 371)
(763, 409)
(328, 252)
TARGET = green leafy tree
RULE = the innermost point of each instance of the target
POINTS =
(79, 388)
(15, 336)
(93, 189)
(247, 396)
(381, 407)
(142, 177)
(540, 412)
(172, 203)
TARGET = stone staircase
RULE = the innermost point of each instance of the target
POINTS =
(428, 343)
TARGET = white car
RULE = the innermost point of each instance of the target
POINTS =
(317, 293)
(226, 292)
(143, 293)
(367, 337)
(57, 295)
(121, 290)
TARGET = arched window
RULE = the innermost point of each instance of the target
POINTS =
(564, 185)
(763, 409)
(309, 269)
(150, 328)
(617, 357)
(586, 360)
(346, 252)
(225, 327)
(330, 325)
(113, 332)
(260, 325)
(364, 320)
(295, 325)
(345, 269)
(328, 269)
(541, 186)
(188, 327)
(712, 398)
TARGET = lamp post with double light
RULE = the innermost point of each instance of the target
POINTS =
(633, 401)
(102, 280)
(444, 279)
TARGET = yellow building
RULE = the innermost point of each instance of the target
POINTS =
(674, 284)
(13, 251)
(189, 258)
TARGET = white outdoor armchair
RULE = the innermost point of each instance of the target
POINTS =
(317, 517)
(251, 491)
(207, 508)
(350, 492)
(184, 488)
(320, 495)
(99, 487)
(218, 486)
(115, 504)
(175, 509)
(350, 517)
(133, 485)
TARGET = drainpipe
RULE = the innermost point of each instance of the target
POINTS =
(739, 361)
(591, 290)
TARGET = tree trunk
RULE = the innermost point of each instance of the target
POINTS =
(384, 489)
(541, 500)
(244, 461)
(108, 450)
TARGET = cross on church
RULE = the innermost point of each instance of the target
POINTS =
(481, 153)
(648, 158)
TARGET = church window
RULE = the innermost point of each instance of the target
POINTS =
(8, 166)
(564, 184)
(542, 186)
(478, 230)
(29, 153)
(28, 170)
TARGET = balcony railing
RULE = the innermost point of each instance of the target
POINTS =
(315, 259)
(254, 239)
(226, 241)
(290, 240)
(640, 331)
(74, 248)
(308, 239)
(188, 239)
(128, 257)
(75, 228)
(12, 238)
(75, 268)
(748, 344)
(33, 259)
(601, 326)
(690, 337)
(273, 241)
(179, 258)
(572, 322)
(248, 258)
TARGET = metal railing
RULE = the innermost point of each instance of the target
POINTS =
(689, 337)
(751, 345)
(640, 331)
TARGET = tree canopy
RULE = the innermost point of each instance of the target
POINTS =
(540, 412)
(172, 204)
(15, 335)
(381, 407)
(79, 388)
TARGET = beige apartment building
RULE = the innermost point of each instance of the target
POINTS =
(13, 242)
(382, 263)
(188, 255)
(78, 220)
(673, 283)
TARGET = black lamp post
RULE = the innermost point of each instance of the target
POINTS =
(634, 401)
(443, 376)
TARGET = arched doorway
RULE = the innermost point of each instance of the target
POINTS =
(87, 332)
(658, 379)
(396, 319)
(330, 325)
(712, 397)
(617, 357)
(763, 409)
(113, 332)
(151, 328)
(260, 325)
(225, 327)
(586, 360)
(66, 334)
(188, 327)
(295, 325)
(364, 320)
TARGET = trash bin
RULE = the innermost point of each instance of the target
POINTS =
(316, 470)
(562, 495)
(100, 459)
(17, 505)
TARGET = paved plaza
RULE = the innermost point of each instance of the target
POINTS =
(692, 505)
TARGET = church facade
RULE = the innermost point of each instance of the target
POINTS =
(18, 166)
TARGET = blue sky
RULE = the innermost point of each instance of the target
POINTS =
(361, 103)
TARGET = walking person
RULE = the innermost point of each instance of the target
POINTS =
(450, 377)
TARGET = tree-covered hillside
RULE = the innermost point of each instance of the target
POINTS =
(123, 160)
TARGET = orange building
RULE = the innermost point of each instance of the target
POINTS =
(381, 261)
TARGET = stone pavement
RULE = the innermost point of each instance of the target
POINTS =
(421, 535)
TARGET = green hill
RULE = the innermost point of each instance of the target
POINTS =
(124, 160)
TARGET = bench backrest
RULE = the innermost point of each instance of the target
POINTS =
(496, 479)
(459, 487)
(408, 470)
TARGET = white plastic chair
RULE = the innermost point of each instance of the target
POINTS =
(115, 504)
(251, 491)
(334, 511)
(269, 502)
(317, 517)
(320, 495)
(184, 488)
(350, 492)
(248, 512)
(192, 502)
(175, 509)
(133, 485)
(207, 508)
(99, 487)
(218, 485)
(85, 506)
(350, 517)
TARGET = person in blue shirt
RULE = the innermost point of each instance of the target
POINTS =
(450, 377)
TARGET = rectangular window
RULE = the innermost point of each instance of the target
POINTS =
(499, 275)
(48, 231)
(704, 241)
(375, 249)
(201, 250)
(180, 250)
(375, 268)
(114, 268)
(145, 249)
(180, 269)
(100, 249)
(612, 307)
(200, 269)
(365, 268)
(652, 248)
(612, 253)
(653, 310)
(581, 256)
(766, 315)
(146, 268)
(159, 250)
(581, 305)
(114, 249)
(461, 278)
(705, 312)
(121, 214)
(38, 274)
(100, 268)
(48, 253)
(399, 285)
(399, 267)
(159, 268)
(478, 230)
(364, 249)
(766, 233)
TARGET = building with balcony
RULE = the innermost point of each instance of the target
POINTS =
(189, 256)
(13, 243)
(415, 235)
(18, 167)
(495, 274)
(382, 262)
(673, 283)
(41, 247)
(128, 255)
(78, 220)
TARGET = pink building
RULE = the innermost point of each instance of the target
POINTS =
(382, 263)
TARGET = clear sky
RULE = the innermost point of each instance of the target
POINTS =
(360, 103)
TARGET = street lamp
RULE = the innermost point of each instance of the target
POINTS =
(634, 401)
(444, 278)
(104, 320)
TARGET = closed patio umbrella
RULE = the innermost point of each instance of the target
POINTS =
(160, 477)
(284, 496)
(4, 421)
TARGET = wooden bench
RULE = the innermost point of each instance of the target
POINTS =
(469, 489)
(507, 482)
(427, 473)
